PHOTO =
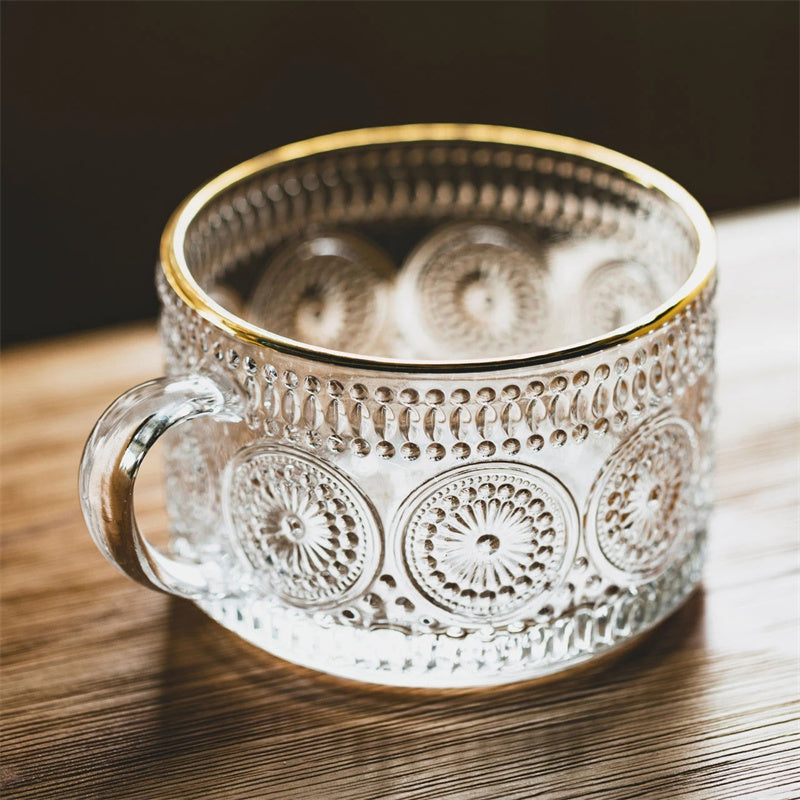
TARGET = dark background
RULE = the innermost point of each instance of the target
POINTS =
(113, 112)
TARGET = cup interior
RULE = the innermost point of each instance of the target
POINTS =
(441, 250)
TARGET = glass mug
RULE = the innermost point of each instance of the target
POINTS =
(443, 397)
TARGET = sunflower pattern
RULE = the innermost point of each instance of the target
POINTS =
(478, 290)
(481, 543)
(642, 504)
(327, 291)
(615, 293)
(304, 528)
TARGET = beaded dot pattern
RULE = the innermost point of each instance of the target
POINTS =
(581, 402)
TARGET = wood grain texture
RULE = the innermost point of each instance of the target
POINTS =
(111, 691)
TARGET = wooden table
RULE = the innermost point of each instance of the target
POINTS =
(111, 691)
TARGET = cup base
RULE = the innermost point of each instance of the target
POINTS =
(394, 657)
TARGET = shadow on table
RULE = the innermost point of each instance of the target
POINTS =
(234, 722)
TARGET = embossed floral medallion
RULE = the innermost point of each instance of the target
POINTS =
(641, 505)
(484, 540)
(303, 526)
(476, 290)
(616, 293)
(327, 290)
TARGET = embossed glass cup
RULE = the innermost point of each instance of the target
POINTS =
(442, 398)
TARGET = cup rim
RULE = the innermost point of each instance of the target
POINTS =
(177, 273)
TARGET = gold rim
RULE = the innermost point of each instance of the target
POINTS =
(177, 271)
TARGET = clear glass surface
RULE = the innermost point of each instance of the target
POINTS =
(433, 527)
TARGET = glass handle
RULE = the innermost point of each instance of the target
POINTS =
(121, 439)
